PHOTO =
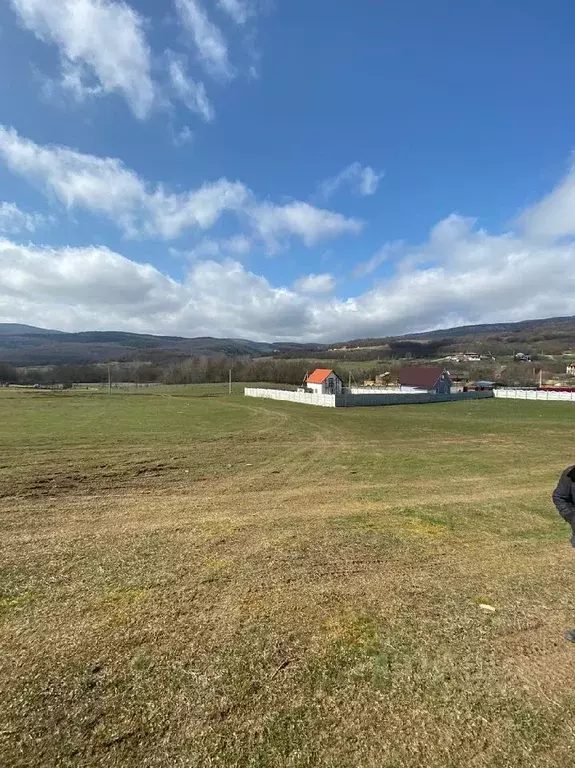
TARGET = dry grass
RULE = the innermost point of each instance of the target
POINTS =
(192, 581)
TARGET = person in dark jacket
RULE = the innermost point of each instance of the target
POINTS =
(564, 500)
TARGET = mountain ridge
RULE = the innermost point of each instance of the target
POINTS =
(23, 345)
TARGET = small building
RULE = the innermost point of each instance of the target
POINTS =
(425, 378)
(324, 381)
(570, 371)
(482, 386)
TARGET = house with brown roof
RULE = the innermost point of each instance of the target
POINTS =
(425, 378)
(324, 381)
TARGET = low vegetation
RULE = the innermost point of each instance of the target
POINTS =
(191, 579)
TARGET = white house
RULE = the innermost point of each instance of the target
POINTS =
(323, 381)
(423, 378)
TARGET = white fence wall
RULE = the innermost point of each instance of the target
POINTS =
(362, 399)
(534, 394)
(327, 401)
(406, 398)
(372, 390)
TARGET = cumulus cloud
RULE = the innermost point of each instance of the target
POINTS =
(190, 92)
(74, 285)
(363, 181)
(553, 216)
(13, 220)
(324, 283)
(468, 276)
(75, 288)
(208, 40)
(106, 187)
(101, 38)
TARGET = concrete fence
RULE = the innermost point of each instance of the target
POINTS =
(328, 401)
(373, 390)
(405, 398)
(534, 394)
(364, 398)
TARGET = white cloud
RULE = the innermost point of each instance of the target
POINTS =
(554, 215)
(77, 81)
(239, 10)
(324, 283)
(472, 276)
(300, 219)
(190, 92)
(389, 251)
(461, 274)
(74, 288)
(13, 220)
(210, 44)
(104, 38)
(238, 245)
(104, 186)
(74, 285)
(183, 136)
(363, 180)
(368, 181)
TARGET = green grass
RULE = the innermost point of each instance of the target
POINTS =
(193, 579)
(344, 366)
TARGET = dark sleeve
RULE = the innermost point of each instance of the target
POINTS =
(562, 497)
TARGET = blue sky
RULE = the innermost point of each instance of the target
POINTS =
(285, 169)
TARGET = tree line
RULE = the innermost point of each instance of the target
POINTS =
(191, 370)
(203, 369)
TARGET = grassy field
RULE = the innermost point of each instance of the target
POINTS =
(190, 579)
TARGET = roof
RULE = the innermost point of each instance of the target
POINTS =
(319, 375)
(422, 376)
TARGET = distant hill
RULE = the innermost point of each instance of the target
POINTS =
(16, 329)
(563, 323)
(549, 336)
(26, 345)
(23, 345)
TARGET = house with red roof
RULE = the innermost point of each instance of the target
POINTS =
(324, 381)
(425, 378)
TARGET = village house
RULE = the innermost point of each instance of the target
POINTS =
(324, 381)
(422, 378)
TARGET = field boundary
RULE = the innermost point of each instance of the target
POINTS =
(368, 398)
(535, 394)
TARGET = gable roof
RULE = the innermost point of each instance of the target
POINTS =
(319, 375)
(422, 376)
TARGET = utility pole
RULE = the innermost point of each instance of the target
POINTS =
(230, 383)
(109, 380)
